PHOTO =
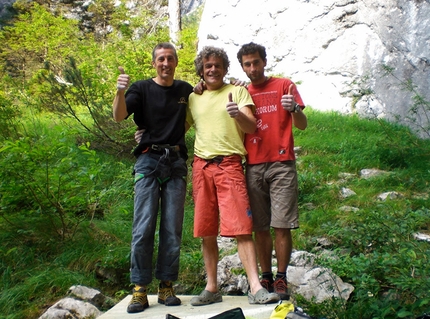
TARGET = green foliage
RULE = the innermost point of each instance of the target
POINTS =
(387, 146)
(187, 51)
(139, 25)
(66, 190)
(17, 301)
(40, 177)
(418, 112)
(36, 36)
(378, 254)
(375, 247)
(102, 11)
(72, 75)
(8, 116)
(81, 96)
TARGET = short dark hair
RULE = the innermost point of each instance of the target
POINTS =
(164, 45)
(251, 48)
(207, 52)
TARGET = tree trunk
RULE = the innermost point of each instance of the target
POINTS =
(174, 20)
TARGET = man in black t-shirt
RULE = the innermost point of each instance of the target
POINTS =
(159, 107)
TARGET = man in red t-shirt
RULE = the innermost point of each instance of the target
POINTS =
(271, 168)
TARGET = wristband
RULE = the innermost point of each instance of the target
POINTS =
(296, 108)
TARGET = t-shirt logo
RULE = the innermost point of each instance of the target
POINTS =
(255, 139)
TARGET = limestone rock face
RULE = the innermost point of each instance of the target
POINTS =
(335, 50)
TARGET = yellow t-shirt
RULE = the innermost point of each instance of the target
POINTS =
(216, 132)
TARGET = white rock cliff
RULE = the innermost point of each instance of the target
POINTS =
(335, 50)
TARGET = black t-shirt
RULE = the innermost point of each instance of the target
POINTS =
(161, 111)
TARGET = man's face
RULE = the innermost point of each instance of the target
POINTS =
(253, 66)
(213, 72)
(165, 63)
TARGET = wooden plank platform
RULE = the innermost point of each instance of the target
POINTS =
(187, 311)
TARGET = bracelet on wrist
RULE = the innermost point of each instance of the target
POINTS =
(296, 108)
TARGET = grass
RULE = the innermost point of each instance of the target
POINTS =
(375, 246)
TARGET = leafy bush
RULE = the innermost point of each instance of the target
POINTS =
(40, 179)
(66, 203)
(378, 254)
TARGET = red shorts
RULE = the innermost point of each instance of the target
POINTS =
(220, 198)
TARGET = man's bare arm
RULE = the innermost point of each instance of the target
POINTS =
(246, 120)
(119, 108)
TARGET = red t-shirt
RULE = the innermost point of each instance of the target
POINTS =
(273, 141)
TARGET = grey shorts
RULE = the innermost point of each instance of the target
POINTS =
(273, 195)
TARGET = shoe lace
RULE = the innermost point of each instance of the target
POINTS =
(138, 297)
(265, 283)
(280, 285)
(167, 292)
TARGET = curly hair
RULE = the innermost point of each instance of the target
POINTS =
(164, 45)
(207, 52)
(251, 48)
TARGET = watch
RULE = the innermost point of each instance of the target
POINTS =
(296, 108)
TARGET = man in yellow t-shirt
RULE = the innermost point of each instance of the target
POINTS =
(222, 115)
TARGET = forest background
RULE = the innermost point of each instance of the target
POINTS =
(66, 192)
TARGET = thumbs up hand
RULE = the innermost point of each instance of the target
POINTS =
(123, 80)
(287, 101)
(232, 108)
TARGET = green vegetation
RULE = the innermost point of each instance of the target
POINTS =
(375, 247)
(66, 197)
